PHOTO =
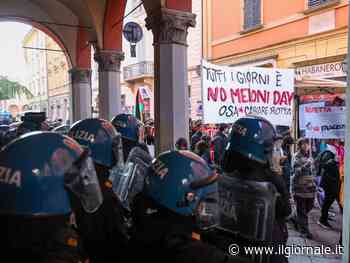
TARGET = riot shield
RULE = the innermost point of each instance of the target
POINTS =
(247, 207)
(247, 210)
(131, 179)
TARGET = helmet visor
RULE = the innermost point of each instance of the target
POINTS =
(82, 180)
(122, 185)
(132, 178)
(117, 148)
(207, 212)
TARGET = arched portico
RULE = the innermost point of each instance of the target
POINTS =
(79, 24)
(169, 21)
(72, 31)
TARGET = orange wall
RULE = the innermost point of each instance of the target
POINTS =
(341, 17)
(276, 10)
(113, 25)
(83, 50)
(226, 18)
(262, 39)
(227, 15)
(226, 23)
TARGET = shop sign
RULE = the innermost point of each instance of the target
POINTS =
(322, 71)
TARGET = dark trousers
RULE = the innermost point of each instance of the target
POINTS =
(327, 203)
(304, 206)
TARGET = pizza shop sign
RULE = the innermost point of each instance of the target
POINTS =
(323, 71)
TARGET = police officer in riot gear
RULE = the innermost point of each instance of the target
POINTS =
(104, 232)
(179, 198)
(32, 121)
(254, 200)
(34, 206)
(131, 130)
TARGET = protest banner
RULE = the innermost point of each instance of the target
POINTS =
(233, 92)
(324, 122)
(303, 119)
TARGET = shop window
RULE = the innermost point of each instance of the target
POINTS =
(252, 14)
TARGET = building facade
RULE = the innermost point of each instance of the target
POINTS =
(307, 35)
(35, 57)
(194, 60)
(47, 76)
(138, 72)
(58, 82)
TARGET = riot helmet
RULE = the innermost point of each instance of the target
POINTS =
(183, 183)
(35, 185)
(26, 127)
(101, 138)
(128, 126)
(251, 139)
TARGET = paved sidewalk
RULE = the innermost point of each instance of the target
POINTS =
(321, 237)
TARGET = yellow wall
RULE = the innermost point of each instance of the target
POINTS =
(29, 41)
(57, 70)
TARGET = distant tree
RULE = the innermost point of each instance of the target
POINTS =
(10, 89)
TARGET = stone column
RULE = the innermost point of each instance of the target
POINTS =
(81, 93)
(109, 82)
(171, 114)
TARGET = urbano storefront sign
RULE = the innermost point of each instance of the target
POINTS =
(328, 70)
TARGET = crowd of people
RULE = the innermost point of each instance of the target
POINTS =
(317, 177)
(95, 192)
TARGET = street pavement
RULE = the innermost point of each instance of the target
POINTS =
(321, 236)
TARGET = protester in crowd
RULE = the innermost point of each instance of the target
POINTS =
(202, 149)
(338, 146)
(341, 159)
(181, 144)
(218, 144)
(276, 163)
(330, 182)
(149, 135)
(196, 137)
(287, 162)
(304, 187)
(206, 138)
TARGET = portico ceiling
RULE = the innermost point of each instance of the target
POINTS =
(73, 23)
